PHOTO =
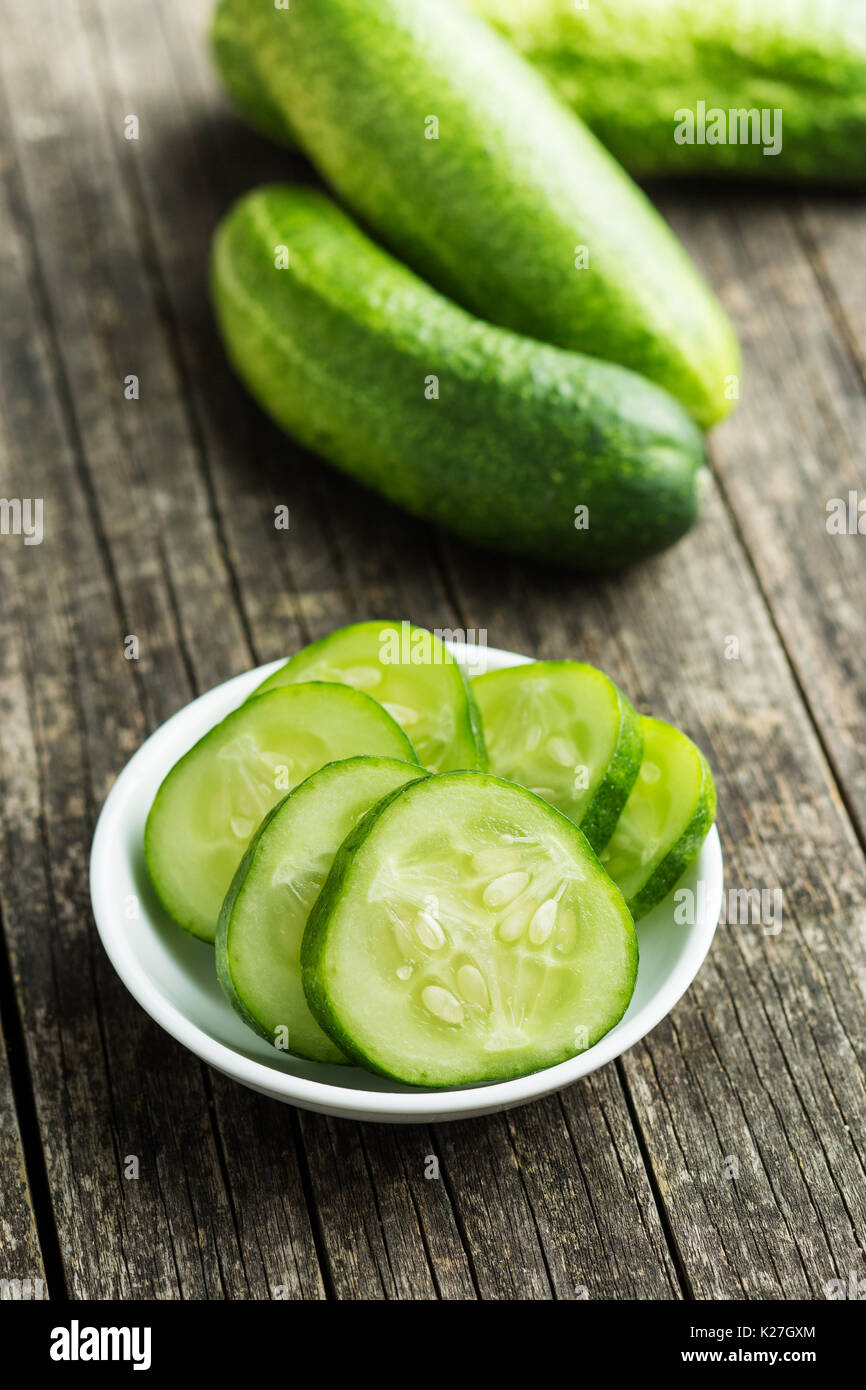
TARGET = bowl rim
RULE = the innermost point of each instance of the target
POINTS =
(452, 1102)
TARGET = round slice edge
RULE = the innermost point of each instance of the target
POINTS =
(466, 933)
(568, 733)
(413, 674)
(214, 798)
(665, 821)
(261, 925)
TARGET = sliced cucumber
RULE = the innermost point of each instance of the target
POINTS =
(665, 821)
(566, 732)
(208, 806)
(467, 932)
(258, 944)
(409, 671)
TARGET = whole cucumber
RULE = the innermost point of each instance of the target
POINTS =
(237, 65)
(629, 66)
(510, 443)
(457, 154)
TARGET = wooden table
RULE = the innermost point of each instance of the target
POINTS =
(724, 1156)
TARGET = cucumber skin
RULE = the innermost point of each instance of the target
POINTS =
(337, 350)
(224, 922)
(235, 61)
(315, 940)
(153, 875)
(492, 211)
(625, 66)
(619, 777)
(621, 772)
(685, 851)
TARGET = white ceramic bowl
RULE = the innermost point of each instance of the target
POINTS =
(172, 975)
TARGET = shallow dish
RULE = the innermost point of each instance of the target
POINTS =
(173, 976)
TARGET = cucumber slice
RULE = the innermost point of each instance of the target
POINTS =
(208, 806)
(258, 944)
(409, 671)
(666, 818)
(566, 732)
(465, 933)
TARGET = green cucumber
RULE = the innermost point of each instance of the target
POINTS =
(510, 443)
(409, 671)
(466, 933)
(665, 821)
(212, 800)
(629, 66)
(235, 60)
(454, 150)
(564, 730)
(261, 925)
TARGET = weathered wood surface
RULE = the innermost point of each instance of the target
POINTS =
(159, 523)
(22, 1274)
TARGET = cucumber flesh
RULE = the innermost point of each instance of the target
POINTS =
(258, 944)
(566, 732)
(465, 933)
(213, 799)
(409, 671)
(665, 821)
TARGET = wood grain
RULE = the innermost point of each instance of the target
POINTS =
(791, 275)
(724, 1156)
(763, 1060)
(22, 1274)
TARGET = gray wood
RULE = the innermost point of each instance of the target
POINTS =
(792, 279)
(107, 1083)
(333, 575)
(763, 1060)
(159, 517)
(22, 1274)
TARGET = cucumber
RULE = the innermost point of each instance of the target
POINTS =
(261, 924)
(235, 61)
(345, 347)
(564, 730)
(212, 800)
(454, 150)
(409, 671)
(665, 821)
(628, 66)
(465, 933)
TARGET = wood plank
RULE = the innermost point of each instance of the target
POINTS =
(210, 584)
(73, 710)
(763, 1060)
(329, 573)
(22, 1273)
(125, 465)
(793, 280)
(389, 1232)
(561, 1177)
